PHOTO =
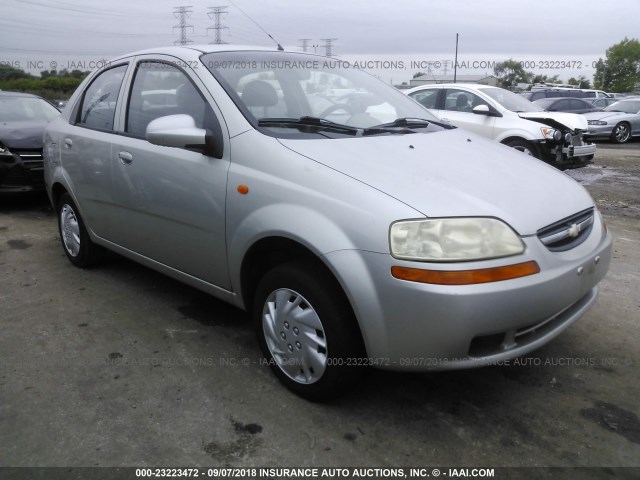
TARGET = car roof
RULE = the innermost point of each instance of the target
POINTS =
(472, 86)
(191, 50)
(17, 94)
(555, 99)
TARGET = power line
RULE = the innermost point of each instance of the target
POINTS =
(217, 12)
(182, 13)
(328, 45)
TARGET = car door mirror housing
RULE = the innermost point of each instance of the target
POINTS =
(486, 110)
(180, 131)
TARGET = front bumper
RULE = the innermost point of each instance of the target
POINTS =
(22, 171)
(575, 151)
(415, 326)
(599, 131)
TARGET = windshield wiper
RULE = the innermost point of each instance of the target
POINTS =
(401, 125)
(306, 121)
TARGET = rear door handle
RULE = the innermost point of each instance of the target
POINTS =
(125, 157)
(68, 143)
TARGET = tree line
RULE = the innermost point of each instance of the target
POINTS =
(51, 84)
(618, 72)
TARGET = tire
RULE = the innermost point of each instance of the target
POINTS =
(523, 146)
(621, 133)
(77, 245)
(307, 331)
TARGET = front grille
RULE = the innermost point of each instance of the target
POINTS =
(567, 233)
(31, 159)
(576, 140)
(29, 172)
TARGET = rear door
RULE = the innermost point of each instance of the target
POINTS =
(172, 200)
(85, 151)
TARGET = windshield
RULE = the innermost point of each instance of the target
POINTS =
(544, 102)
(274, 86)
(19, 109)
(511, 101)
(626, 106)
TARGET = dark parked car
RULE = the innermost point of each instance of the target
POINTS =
(22, 121)
(564, 104)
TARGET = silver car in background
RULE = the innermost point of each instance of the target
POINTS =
(618, 122)
(355, 227)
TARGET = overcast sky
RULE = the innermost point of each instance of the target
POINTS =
(49, 33)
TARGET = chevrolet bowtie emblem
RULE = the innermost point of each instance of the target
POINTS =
(574, 230)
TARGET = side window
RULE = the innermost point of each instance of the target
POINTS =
(461, 101)
(160, 89)
(561, 105)
(98, 106)
(578, 105)
(427, 98)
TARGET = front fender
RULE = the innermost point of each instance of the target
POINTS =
(303, 225)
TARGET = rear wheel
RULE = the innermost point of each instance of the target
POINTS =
(621, 133)
(77, 245)
(307, 331)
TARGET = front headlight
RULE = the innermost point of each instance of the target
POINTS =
(5, 152)
(551, 133)
(453, 239)
(596, 122)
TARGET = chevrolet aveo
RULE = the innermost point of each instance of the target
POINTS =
(355, 227)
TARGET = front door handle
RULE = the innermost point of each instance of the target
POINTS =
(68, 143)
(125, 157)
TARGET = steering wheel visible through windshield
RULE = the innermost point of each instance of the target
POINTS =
(272, 86)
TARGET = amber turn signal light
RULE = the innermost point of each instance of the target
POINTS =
(465, 277)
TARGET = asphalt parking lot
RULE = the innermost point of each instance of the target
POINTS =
(121, 366)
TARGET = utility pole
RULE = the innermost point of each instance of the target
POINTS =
(305, 44)
(182, 13)
(217, 12)
(455, 65)
(328, 44)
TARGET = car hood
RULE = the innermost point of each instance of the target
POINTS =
(26, 134)
(573, 121)
(454, 173)
(605, 115)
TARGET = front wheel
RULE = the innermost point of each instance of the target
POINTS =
(77, 245)
(307, 331)
(621, 133)
(523, 146)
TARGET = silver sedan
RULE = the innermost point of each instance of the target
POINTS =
(619, 121)
(355, 227)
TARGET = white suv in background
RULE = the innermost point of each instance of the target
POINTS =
(501, 115)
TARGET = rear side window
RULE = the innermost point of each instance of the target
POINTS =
(98, 106)
(427, 98)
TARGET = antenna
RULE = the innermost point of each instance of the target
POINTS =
(257, 25)
(183, 13)
(217, 12)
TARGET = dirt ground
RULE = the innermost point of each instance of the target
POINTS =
(121, 366)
